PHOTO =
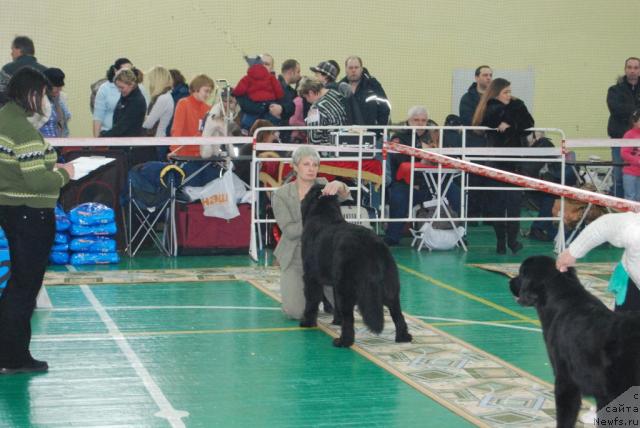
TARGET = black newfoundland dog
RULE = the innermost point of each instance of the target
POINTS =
(355, 262)
(593, 350)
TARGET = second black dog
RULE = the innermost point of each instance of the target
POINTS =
(352, 259)
(593, 351)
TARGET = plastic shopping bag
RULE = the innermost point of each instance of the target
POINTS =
(218, 197)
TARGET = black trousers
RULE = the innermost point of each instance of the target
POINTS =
(632, 301)
(505, 204)
(30, 233)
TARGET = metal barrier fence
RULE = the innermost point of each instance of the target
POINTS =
(463, 159)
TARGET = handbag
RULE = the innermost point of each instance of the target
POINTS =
(218, 197)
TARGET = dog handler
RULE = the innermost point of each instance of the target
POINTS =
(620, 230)
(286, 208)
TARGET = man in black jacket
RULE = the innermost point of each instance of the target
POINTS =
(369, 105)
(284, 109)
(22, 53)
(622, 99)
(468, 103)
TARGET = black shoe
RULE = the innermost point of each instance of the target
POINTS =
(33, 366)
(501, 248)
(515, 246)
(327, 306)
(539, 235)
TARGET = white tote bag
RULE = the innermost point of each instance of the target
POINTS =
(218, 197)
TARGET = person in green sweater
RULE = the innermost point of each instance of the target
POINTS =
(30, 182)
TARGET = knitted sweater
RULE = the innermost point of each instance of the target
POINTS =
(28, 175)
(620, 230)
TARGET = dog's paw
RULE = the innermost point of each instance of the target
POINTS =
(404, 337)
(339, 342)
(308, 323)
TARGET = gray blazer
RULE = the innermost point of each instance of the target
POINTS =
(286, 209)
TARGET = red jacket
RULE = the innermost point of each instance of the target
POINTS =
(631, 155)
(259, 85)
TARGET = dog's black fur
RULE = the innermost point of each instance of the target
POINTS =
(593, 350)
(352, 259)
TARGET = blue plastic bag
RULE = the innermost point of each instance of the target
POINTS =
(60, 247)
(4, 243)
(61, 238)
(96, 229)
(94, 258)
(93, 244)
(62, 220)
(91, 213)
(59, 257)
(5, 265)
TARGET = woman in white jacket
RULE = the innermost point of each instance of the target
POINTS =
(620, 230)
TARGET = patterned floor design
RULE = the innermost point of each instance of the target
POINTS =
(594, 276)
(468, 381)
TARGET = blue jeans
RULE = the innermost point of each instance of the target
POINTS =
(617, 173)
(631, 187)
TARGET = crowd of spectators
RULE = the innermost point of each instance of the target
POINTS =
(128, 102)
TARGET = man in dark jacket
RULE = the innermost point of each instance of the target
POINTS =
(369, 103)
(22, 53)
(284, 109)
(622, 99)
(468, 103)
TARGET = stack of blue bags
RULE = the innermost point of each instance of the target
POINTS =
(60, 251)
(92, 230)
(5, 260)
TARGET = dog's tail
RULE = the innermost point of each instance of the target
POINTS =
(371, 298)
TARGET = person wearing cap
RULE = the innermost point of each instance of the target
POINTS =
(327, 108)
(262, 89)
(56, 126)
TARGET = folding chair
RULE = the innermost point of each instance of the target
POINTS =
(151, 196)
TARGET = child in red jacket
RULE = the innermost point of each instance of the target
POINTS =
(262, 89)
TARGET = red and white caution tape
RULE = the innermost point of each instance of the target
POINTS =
(518, 180)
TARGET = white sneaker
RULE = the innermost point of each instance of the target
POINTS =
(589, 418)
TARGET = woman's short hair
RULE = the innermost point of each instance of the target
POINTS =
(127, 76)
(416, 110)
(159, 80)
(308, 84)
(26, 85)
(304, 152)
(200, 81)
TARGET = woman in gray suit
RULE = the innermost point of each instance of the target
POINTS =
(286, 208)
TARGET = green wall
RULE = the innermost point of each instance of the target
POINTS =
(576, 48)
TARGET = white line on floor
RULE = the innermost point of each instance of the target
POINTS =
(159, 307)
(173, 416)
(492, 324)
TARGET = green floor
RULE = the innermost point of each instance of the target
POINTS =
(222, 352)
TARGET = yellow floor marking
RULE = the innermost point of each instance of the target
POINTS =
(468, 295)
